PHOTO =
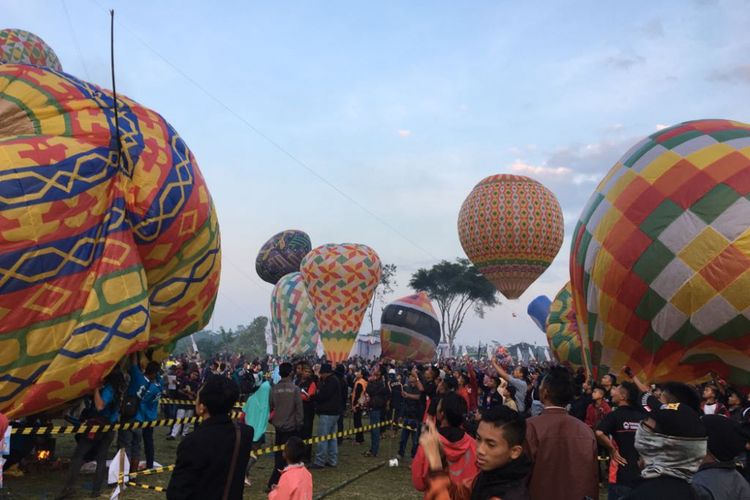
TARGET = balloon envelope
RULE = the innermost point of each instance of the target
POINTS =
(562, 329)
(409, 329)
(340, 281)
(99, 257)
(538, 310)
(660, 261)
(22, 47)
(292, 317)
(511, 228)
(281, 255)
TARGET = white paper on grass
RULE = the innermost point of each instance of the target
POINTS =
(115, 493)
(114, 468)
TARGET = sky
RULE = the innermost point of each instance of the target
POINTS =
(370, 122)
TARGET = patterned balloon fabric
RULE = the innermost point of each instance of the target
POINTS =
(409, 329)
(292, 317)
(100, 255)
(511, 228)
(22, 47)
(340, 281)
(281, 255)
(660, 260)
(562, 329)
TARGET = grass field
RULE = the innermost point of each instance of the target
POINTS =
(386, 482)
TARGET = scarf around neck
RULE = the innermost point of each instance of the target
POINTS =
(665, 455)
(498, 482)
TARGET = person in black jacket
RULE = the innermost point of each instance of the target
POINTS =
(341, 375)
(204, 466)
(379, 396)
(328, 407)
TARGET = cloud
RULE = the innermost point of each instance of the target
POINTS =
(624, 62)
(521, 167)
(737, 74)
(404, 133)
(653, 29)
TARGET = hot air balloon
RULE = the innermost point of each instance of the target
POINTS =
(292, 317)
(538, 310)
(562, 329)
(340, 281)
(660, 261)
(281, 255)
(22, 47)
(511, 228)
(409, 329)
(104, 251)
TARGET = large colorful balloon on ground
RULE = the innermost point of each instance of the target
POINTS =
(100, 255)
(281, 255)
(660, 260)
(292, 317)
(340, 281)
(409, 329)
(511, 228)
(538, 310)
(562, 329)
(22, 47)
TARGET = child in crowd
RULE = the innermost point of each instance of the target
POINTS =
(295, 482)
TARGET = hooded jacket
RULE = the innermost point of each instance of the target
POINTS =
(460, 452)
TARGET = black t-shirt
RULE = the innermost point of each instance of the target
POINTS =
(621, 424)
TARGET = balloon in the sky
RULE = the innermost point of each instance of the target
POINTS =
(100, 255)
(660, 260)
(22, 47)
(281, 255)
(292, 317)
(409, 329)
(511, 228)
(538, 310)
(562, 329)
(340, 281)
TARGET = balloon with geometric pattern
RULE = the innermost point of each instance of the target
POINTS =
(21, 47)
(340, 281)
(282, 255)
(660, 260)
(292, 317)
(511, 228)
(102, 252)
(538, 310)
(409, 329)
(562, 332)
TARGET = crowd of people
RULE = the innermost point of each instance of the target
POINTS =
(468, 429)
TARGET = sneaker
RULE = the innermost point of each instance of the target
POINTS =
(66, 493)
(331, 465)
(317, 466)
(170, 438)
(368, 453)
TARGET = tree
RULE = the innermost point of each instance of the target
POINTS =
(251, 339)
(456, 287)
(385, 287)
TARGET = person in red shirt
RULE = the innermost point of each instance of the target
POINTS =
(598, 408)
(460, 448)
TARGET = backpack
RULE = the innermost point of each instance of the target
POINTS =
(129, 407)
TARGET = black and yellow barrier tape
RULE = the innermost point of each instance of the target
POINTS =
(94, 428)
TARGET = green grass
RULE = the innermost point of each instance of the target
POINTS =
(384, 483)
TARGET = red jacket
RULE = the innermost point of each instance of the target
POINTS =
(295, 483)
(595, 415)
(462, 462)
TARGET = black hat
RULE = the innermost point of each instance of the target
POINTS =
(726, 439)
(676, 419)
(451, 382)
(340, 369)
(326, 368)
